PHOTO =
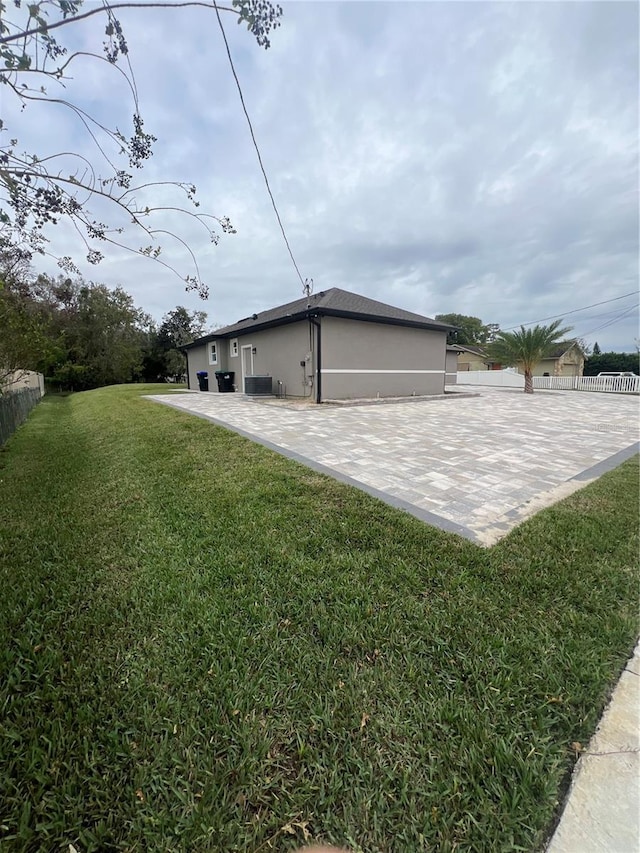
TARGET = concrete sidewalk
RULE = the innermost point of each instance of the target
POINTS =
(602, 811)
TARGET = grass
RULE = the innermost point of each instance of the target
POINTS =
(207, 647)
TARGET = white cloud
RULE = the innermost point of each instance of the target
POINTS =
(479, 158)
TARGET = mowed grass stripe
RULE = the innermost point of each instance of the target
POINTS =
(207, 646)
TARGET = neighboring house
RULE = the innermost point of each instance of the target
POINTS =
(22, 379)
(328, 346)
(473, 358)
(566, 359)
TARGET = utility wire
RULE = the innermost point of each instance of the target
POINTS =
(575, 311)
(616, 319)
(606, 315)
(253, 137)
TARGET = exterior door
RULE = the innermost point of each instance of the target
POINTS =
(247, 364)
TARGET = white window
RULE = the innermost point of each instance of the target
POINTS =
(213, 353)
(233, 347)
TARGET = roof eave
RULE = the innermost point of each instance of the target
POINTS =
(254, 327)
(319, 311)
(389, 321)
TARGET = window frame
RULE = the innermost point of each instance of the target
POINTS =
(234, 350)
(213, 352)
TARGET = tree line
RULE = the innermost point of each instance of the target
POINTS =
(611, 362)
(80, 334)
(83, 335)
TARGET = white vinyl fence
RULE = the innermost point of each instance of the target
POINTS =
(613, 384)
(509, 379)
(497, 378)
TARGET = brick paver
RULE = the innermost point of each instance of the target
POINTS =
(476, 464)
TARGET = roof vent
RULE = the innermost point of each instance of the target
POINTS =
(254, 316)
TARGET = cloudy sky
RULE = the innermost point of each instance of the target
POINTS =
(470, 157)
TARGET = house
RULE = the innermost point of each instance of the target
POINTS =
(566, 359)
(18, 379)
(473, 358)
(327, 346)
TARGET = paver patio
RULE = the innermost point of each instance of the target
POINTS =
(477, 465)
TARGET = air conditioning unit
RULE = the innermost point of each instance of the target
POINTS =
(256, 386)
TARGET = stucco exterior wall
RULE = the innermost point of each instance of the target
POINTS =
(451, 367)
(468, 361)
(278, 353)
(569, 364)
(361, 359)
(197, 360)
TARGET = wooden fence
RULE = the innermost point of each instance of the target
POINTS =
(14, 410)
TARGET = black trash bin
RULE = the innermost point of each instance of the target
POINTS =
(224, 378)
(203, 380)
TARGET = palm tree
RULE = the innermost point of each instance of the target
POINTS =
(526, 348)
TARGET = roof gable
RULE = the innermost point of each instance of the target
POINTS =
(563, 347)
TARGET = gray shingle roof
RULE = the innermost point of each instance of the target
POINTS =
(560, 349)
(467, 348)
(333, 302)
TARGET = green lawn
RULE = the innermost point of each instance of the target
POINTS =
(207, 647)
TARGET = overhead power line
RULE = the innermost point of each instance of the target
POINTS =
(575, 311)
(255, 144)
(617, 319)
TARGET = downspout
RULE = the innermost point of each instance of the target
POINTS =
(186, 354)
(315, 323)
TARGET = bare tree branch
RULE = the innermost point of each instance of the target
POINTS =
(36, 194)
(101, 10)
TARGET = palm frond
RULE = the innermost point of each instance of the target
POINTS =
(527, 346)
